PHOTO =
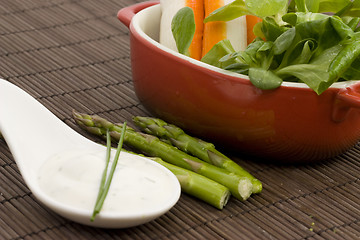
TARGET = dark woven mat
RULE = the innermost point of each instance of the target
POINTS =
(74, 54)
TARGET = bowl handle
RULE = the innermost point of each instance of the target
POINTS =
(346, 99)
(126, 14)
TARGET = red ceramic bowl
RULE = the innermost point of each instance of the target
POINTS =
(291, 123)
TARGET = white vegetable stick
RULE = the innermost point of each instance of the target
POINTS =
(235, 30)
(169, 8)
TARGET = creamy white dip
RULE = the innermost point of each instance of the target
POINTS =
(73, 178)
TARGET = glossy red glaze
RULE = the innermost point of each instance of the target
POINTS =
(289, 124)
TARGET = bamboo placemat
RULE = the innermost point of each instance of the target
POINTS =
(74, 54)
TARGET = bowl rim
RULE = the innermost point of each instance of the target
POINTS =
(136, 28)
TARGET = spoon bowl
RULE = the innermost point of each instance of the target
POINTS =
(34, 135)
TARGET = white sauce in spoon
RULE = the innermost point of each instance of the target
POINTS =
(73, 178)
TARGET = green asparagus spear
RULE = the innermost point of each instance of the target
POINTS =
(240, 187)
(199, 186)
(194, 146)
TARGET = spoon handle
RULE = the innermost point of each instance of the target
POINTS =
(31, 131)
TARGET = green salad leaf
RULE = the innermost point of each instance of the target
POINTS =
(264, 79)
(271, 29)
(316, 42)
(284, 41)
(220, 49)
(333, 6)
(315, 76)
(183, 29)
(301, 5)
(264, 8)
(316, 52)
(353, 10)
(238, 8)
(353, 72)
(228, 12)
(344, 60)
(313, 5)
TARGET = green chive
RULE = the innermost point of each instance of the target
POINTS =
(105, 183)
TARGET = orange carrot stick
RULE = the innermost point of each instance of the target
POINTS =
(251, 21)
(213, 31)
(196, 44)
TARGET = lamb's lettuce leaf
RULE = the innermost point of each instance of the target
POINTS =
(332, 5)
(217, 52)
(228, 12)
(315, 76)
(183, 29)
(296, 42)
(353, 10)
(238, 8)
(264, 79)
(271, 30)
(313, 5)
(264, 8)
(353, 72)
(284, 41)
(316, 52)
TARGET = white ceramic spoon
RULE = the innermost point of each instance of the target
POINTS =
(34, 135)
